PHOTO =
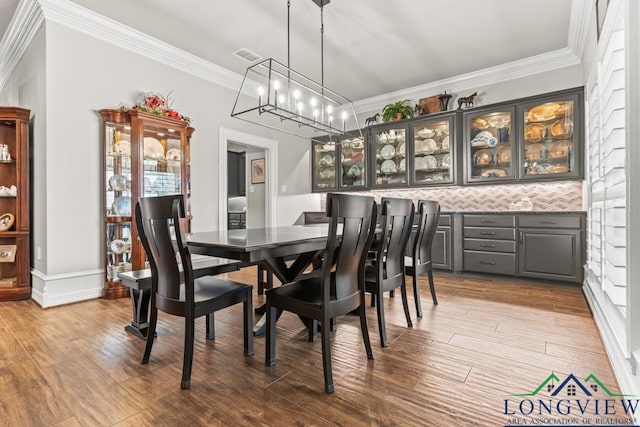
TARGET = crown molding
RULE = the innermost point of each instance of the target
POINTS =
(23, 27)
(581, 15)
(30, 15)
(512, 70)
(78, 18)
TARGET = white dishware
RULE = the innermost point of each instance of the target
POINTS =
(123, 148)
(388, 166)
(388, 151)
(173, 154)
(153, 148)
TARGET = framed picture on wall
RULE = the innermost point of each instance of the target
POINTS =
(601, 11)
(258, 173)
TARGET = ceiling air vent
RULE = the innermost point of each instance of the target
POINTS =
(246, 54)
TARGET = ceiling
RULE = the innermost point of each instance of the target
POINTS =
(371, 47)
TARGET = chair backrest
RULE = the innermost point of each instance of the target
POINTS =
(155, 218)
(396, 222)
(429, 217)
(357, 217)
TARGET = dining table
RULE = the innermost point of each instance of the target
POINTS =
(300, 245)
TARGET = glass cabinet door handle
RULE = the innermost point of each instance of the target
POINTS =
(488, 262)
(487, 233)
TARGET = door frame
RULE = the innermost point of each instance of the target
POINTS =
(270, 146)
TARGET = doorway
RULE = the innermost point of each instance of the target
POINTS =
(256, 196)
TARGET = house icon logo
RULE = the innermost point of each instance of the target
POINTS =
(570, 400)
(571, 386)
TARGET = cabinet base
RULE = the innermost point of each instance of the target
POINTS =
(15, 293)
(114, 290)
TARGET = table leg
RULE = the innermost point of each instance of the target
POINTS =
(286, 274)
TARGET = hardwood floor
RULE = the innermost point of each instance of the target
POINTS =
(487, 340)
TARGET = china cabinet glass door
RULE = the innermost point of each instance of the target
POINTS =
(353, 161)
(432, 151)
(324, 165)
(118, 202)
(162, 161)
(489, 144)
(390, 151)
(550, 143)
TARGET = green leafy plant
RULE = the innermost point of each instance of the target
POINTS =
(391, 111)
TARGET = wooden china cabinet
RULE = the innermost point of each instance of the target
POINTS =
(15, 274)
(144, 155)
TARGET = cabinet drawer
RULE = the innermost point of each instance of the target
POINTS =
(315, 218)
(490, 233)
(235, 216)
(490, 245)
(495, 263)
(445, 221)
(549, 221)
(490, 220)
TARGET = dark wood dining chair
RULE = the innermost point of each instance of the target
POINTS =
(182, 294)
(420, 260)
(339, 289)
(385, 273)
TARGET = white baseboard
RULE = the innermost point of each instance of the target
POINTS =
(619, 363)
(66, 288)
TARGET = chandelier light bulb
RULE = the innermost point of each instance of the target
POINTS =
(329, 109)
(276, 84)
(313, 102)
(260, 91)
(296, 94)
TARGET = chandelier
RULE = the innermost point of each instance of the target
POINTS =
(277, 97)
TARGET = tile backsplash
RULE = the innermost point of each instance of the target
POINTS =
(545, 196)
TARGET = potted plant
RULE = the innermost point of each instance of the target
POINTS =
(397, 111)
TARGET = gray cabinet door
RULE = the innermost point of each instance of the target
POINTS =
(441, 249)
(551, 254)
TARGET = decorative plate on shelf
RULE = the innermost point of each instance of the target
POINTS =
(445, 161)
(389, 166)
(426, 133)
(480, 123)
(426, 146)
(445, 143)
(119, 246)
(403, 165)
(503, 156)
(562, 129)
(542, 113)
(534, 132)
(431, 162)
(122, 206)
(557, 169)
(536, 169)
(153, 148)
(483, 157)
(326, 160)
(534, 152)
(118, 182)
(493, 173)
(357, 143)
(401, 150)
(173, 154)
(560, 149)
(420, 164)
(327, 173)
(354, 171)
(388, 151)
(123, 148)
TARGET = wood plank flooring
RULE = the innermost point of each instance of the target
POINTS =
(487, 339)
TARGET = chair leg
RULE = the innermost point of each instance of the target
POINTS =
(211, 328)
(432, 286)
(313, 329)
(381, 324)
(416, 294)
(373, 300)
(326, 354)
(151, 333)
(405, 303)
(247, 307)
(270, 350)
(188, 352)
(260, 282)
(365, 329)
(392, 293)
